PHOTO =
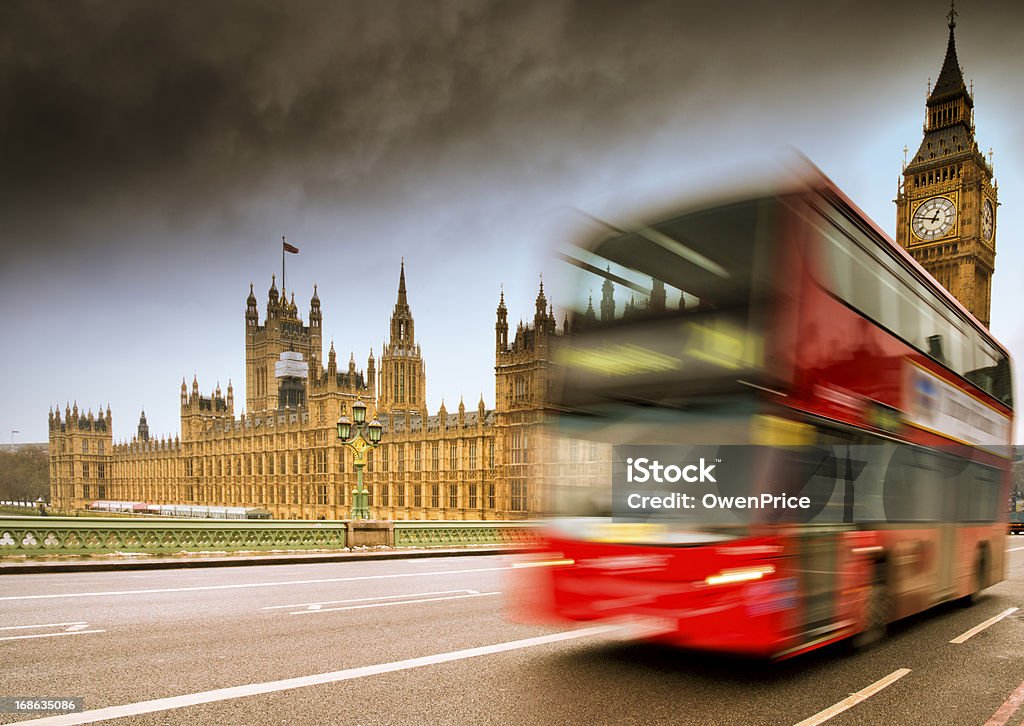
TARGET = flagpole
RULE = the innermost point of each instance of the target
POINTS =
(282, 262)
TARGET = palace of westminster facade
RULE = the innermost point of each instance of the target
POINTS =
(283, 454)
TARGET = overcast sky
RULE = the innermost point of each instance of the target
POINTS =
(152, 154)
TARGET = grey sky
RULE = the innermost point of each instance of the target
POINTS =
(152, 154)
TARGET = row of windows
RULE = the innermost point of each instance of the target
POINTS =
(435, 456)
(97, 449)
(938, 175)
(101, 470)
(281, 463)
(880, 287)
(478, 496)
(857, 478)
(436, 496)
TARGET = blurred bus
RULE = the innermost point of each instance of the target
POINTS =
(789, 331)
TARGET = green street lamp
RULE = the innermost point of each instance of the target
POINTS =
(361, 438)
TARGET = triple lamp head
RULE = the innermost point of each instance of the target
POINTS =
(359, 414)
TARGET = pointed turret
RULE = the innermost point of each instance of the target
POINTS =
(315, 315)
(542, 302)
(402, 372)
(252, 316)
(607, 299)
(402, 301)
(143, 429)
(658, 296)
(501, 327)
(951, 77)
(272, 296)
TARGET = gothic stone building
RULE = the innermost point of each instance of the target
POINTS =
(282, 453)
(946, 205)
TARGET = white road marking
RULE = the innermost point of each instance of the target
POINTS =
(319, 609)
(981, 626)
(1015, 549)
(243, 585)
(50, 635)
(854, 699)
(253, 689)
(365, 599)
(44, 625)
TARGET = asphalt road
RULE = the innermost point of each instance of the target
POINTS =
(426, 641)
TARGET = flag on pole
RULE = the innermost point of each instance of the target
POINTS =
(289, 248)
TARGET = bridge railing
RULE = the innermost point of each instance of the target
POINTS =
(411, 533)
(41, 536)
(97, 535)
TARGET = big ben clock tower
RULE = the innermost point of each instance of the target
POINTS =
(946, 206)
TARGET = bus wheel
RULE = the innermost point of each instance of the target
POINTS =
(876, 616)
(979, 578)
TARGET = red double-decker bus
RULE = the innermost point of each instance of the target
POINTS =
(791, 325)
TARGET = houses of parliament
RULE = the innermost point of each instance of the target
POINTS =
(282, 453)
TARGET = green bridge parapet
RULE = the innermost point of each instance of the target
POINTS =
(101, 535)
(45, 536)
(412, 533)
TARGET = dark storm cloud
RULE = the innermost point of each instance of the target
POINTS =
(201, 102)
(182, 109)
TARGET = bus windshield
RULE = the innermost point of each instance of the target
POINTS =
(689, 295)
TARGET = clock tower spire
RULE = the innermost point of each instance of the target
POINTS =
(945, 208)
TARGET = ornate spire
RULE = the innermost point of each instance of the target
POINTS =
(951, 78)
(542, 302)
(402, 301)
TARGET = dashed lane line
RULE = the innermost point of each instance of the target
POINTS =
(392, 603)
(365, 599)
(981, 626)
(854, 699)
(50, 635)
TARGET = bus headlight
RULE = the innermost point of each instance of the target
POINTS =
(742, 574)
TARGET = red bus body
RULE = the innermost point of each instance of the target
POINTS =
(761, 606)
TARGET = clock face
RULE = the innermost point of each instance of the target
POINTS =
(934, 218)
(987, 220)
